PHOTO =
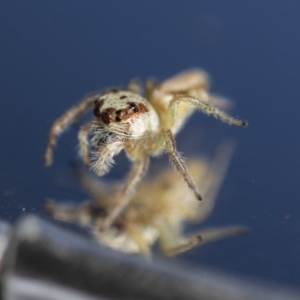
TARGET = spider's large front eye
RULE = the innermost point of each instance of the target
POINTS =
(133, 107)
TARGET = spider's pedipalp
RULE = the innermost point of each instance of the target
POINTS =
(84, 144)
(102, 160)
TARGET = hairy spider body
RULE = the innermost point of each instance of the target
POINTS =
(126, 121)
(153, 217)
(144, 125)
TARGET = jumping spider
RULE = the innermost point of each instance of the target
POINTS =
(143, 124)
(153, 217)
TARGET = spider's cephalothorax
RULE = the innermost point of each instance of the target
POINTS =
(126, 113)
(143, 125)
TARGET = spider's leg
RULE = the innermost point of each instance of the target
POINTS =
(138, 238)
(63, 122)
(84, 144)
(185, 81)
(206, 236)
(134, 86)
(172, 243)
(63, 212)
(178, 161)
(218, 233)
(219, 101)
(150, 85)
(184, 246)
(204, 106)
(168, 234)
(85, 214)
(194, 82)
(138, 170)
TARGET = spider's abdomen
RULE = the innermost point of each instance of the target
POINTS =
(126, 113)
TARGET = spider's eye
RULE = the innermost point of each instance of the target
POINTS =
(105, 117)
(133, 107)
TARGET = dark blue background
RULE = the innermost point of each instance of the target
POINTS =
(54, 52)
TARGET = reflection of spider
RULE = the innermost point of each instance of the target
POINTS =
(143, 127)
(153, 216)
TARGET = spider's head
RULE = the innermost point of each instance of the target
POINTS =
(126, 113)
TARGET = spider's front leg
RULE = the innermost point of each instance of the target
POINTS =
(102, 165)
(60, 124)
(138, 170)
